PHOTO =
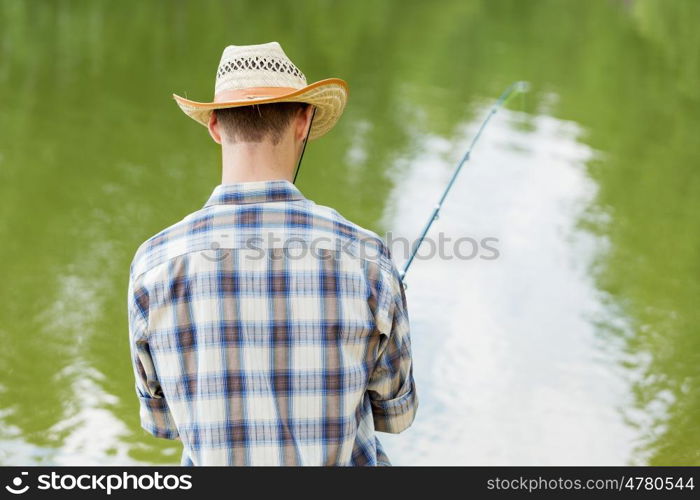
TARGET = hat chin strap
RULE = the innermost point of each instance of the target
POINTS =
(303, 148)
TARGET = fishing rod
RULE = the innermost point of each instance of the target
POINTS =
(515, 88)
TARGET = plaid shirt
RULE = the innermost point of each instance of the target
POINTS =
(268, 330)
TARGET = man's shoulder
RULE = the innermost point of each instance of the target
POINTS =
(364, 243)
(155, 249)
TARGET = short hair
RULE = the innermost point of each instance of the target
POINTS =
(257, 122)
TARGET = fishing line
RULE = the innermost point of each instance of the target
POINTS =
(306, 139)
(515, 88)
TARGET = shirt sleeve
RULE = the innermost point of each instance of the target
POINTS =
(391, 387)
(154, 411)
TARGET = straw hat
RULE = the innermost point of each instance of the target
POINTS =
(261, 74)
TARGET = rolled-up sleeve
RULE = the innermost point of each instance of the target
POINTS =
(154, 412)
(391, 387)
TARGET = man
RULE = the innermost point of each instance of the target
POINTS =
(266, 329)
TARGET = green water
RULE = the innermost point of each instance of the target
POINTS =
(580, 344)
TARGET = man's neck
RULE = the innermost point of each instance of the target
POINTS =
(251, 162)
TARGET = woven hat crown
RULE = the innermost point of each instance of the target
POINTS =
(263, 65)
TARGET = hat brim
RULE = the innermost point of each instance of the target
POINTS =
(329, 96)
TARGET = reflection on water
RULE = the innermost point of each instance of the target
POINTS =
(508, 361)
(578, 345)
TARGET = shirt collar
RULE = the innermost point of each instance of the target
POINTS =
(254, 192)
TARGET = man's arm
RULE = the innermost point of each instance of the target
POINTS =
(391, 387)
(154, 411)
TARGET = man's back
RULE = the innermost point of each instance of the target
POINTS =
(268, 330)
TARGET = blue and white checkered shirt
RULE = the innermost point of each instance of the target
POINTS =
(268, 330)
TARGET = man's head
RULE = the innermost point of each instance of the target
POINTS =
(260, 123)
(262, 73)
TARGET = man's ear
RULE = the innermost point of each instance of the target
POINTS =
(303, 122)
(213, 126)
